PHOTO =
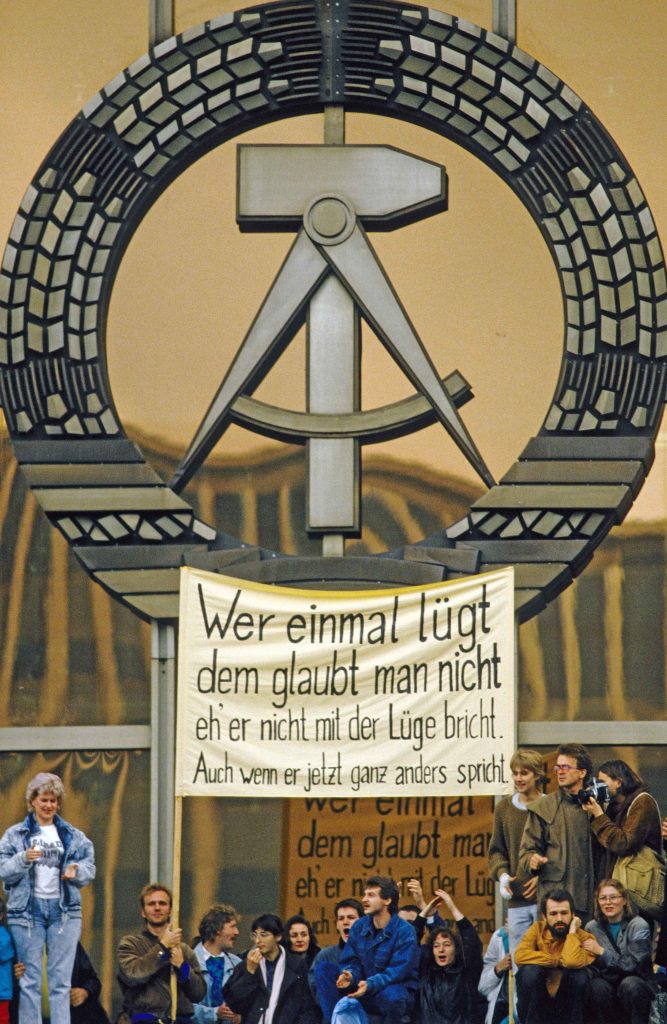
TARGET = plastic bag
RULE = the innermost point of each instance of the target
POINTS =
(349, 1011)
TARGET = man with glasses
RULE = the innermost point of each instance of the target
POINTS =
(556, 845)
(271, 985)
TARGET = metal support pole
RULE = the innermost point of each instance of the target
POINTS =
(333, 387)
(163, 733)
(334, 125)
(333, 543)
(504, 19)
(163, 641)
(160, 21)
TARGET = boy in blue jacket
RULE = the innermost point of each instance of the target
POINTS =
(7, 958)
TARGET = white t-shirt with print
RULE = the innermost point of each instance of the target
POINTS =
(49, 866)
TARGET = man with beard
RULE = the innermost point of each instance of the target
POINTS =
(552, 985)
(146, 962)
(325, 967)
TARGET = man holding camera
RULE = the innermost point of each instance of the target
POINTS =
(557, 845)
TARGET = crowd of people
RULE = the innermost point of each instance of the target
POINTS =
(578, 944)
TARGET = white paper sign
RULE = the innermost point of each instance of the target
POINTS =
(287, 692)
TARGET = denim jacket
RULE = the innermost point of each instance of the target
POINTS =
(206, 1012)
(386, 957)
(18, 876)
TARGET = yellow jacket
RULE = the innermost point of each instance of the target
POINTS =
(539, 947)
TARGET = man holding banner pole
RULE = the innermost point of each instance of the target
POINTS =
(147, 961)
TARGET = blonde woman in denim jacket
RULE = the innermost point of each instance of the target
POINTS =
(44, 863)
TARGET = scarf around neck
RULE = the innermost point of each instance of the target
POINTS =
(276, 986)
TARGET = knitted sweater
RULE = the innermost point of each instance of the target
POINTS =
(508, 826)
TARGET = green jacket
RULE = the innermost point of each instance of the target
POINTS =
(558, 829)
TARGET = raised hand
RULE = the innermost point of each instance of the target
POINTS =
(252, 960)
(415, 890)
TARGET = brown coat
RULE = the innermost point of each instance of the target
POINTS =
(558, 829)
(630, 822)
(145, 978)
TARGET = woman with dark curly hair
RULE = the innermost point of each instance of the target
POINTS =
(631, 820)
(449, 972)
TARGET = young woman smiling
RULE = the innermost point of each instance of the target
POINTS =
(44, 863)
(621, 945)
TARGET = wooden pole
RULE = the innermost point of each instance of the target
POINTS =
(510, 996)
(176, 891)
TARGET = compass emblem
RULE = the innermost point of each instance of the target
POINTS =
(331, 194)
(569, 485)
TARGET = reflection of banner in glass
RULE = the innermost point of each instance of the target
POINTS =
(295, 693)
(332, 846)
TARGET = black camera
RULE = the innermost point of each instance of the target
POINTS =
(595, 790)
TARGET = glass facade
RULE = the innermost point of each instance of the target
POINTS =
(107, 797)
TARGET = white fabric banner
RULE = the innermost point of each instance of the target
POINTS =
(287, 692)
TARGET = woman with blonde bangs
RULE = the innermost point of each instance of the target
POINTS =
(509, 819)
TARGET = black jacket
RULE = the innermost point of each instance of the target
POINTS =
(246, 993)
(449, 995)
(84, 976)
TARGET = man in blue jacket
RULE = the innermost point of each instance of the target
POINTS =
(379, 962)
(325, 968)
